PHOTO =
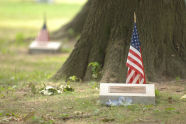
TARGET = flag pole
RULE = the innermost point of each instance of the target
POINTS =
(135, 22)
(134, 17)
(44, 17)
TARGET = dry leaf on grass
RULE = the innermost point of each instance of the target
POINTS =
(183, 97)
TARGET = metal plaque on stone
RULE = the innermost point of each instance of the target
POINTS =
(135, 93)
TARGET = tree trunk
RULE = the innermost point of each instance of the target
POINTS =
(106, 35)
(75, 26)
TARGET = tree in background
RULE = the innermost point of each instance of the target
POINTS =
(75, 26)
(106, 33)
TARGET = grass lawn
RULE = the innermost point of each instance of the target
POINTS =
(22, 75)
(26, 16)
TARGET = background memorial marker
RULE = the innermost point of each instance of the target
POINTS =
(42, 43)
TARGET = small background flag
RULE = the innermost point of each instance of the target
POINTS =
(136, 74)
(43, 35)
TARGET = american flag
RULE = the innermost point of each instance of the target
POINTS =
(43, 35)
(136, 74)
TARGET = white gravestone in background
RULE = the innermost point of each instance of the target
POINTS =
(44, 1)
(44, 47)
(125, 94)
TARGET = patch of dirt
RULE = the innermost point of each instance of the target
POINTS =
(178, 87)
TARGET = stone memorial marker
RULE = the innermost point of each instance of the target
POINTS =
(42, 43)
(46, 47)
(127, 93)
(135, 91)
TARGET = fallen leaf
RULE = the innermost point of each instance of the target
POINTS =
(68, 107)
(107, 119)
(170, 100)
(183, 97)
(78, 112)
(162, 88)
(29, 115)
(178, 90)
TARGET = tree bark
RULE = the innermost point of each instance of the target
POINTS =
(75, 26)
(106, 35)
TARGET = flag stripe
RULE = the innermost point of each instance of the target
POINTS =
(135, 79)
(135, 58)
(135, 66)
(135, 54)
(135, 62)
(142, 80)
(135, 50)
(130, 76)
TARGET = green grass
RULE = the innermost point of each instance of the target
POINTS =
(27, 16)
(84, 101)
(19, 71)
(21, 68)
(18, 104)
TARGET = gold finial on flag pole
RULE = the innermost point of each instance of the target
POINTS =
(134, 17)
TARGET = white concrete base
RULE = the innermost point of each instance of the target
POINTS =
(37, 47)
(135, 93)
